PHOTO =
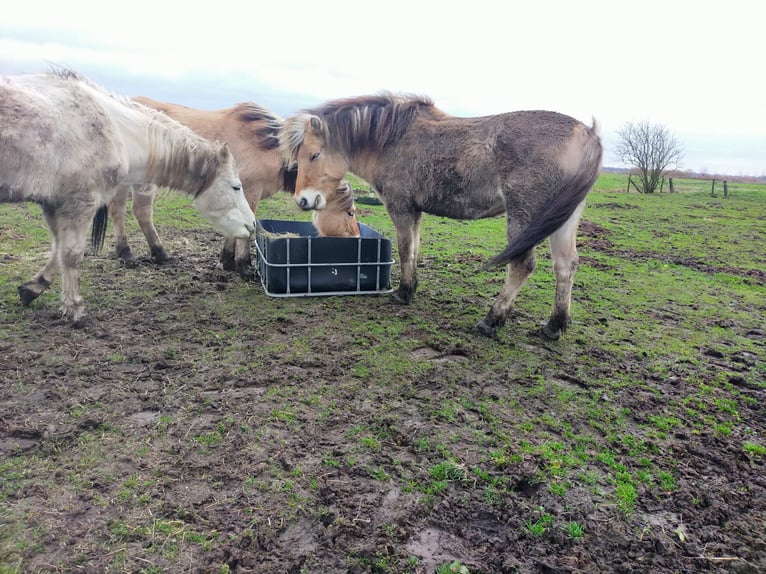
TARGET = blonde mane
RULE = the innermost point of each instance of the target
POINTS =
(177, 156)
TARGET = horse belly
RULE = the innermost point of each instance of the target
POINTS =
(466, 204)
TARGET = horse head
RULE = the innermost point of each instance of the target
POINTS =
(303, 142)
(338, 218)
(223, 202)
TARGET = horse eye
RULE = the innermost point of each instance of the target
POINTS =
(314, 155)
(236, 187)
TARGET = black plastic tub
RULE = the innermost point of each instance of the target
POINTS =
(302, 264)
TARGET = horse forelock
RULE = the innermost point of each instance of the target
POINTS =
(291, 137)
(344, 198)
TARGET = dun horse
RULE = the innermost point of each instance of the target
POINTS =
(534, 166)
(66, 144)
(251, 133)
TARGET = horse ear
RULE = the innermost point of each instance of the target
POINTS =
(315, 124)
(223, 152)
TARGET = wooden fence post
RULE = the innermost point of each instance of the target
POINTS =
(670, 181)
(627, 189)
(712, 189)
(662, 183)
(725, 188)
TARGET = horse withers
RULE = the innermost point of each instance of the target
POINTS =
(67, 144)
(251, 133)
(535, 166)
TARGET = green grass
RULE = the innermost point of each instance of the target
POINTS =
(659, 352)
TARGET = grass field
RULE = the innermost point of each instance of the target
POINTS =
(198, 425)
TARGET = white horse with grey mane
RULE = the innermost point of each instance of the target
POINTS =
(66, 144)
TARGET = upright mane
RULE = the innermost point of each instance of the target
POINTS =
(263, 124)
(364, 123)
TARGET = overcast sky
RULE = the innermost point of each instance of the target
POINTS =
(695, 67)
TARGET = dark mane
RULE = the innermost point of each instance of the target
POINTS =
(370, 122)
(64, 72)
(260, 122)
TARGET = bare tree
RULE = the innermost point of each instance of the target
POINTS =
(651, 149)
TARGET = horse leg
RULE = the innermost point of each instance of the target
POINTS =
(243, 264)
(228, 255)
(117, 210)
(408, 240)
(518, 273)
(563, 244)
(143, 202)
(35, 287)
(72, 235)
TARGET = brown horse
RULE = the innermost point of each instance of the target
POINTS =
(535, 166)
(251, 133)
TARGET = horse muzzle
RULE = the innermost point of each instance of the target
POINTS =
(310, 199)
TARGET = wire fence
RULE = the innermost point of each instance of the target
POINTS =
(713, 186)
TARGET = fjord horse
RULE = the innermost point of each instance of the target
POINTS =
(251, 133)
(67, 144)
(534, 166)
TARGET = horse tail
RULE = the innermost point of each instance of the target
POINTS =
(567, 195)
(98, 229)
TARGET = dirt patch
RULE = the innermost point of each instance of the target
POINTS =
(169, 435)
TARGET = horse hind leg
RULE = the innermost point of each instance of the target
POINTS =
(518, 273)
(32, 289)
(71, 252)
(563, 244)
(117, 210)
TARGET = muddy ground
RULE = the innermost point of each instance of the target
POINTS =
(170, 435)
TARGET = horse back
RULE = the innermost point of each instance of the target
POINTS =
(56, 138)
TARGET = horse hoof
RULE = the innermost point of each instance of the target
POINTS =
(248, 274)
(126, 256)
(400, 300)
(160, 256)
(27, 295)
(129, 262)
(80, 323)
(546, 332)
(485, 329)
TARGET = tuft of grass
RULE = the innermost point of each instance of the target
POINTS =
(574, 530)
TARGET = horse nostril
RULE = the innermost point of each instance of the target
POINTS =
(303, 203)
(316, 202)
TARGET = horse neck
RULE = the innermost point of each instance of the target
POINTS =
(163, 152)
(365, 165)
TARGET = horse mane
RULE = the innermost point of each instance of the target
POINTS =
(344, 197)
(363, 123)
(178, 157)
(264, 125)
